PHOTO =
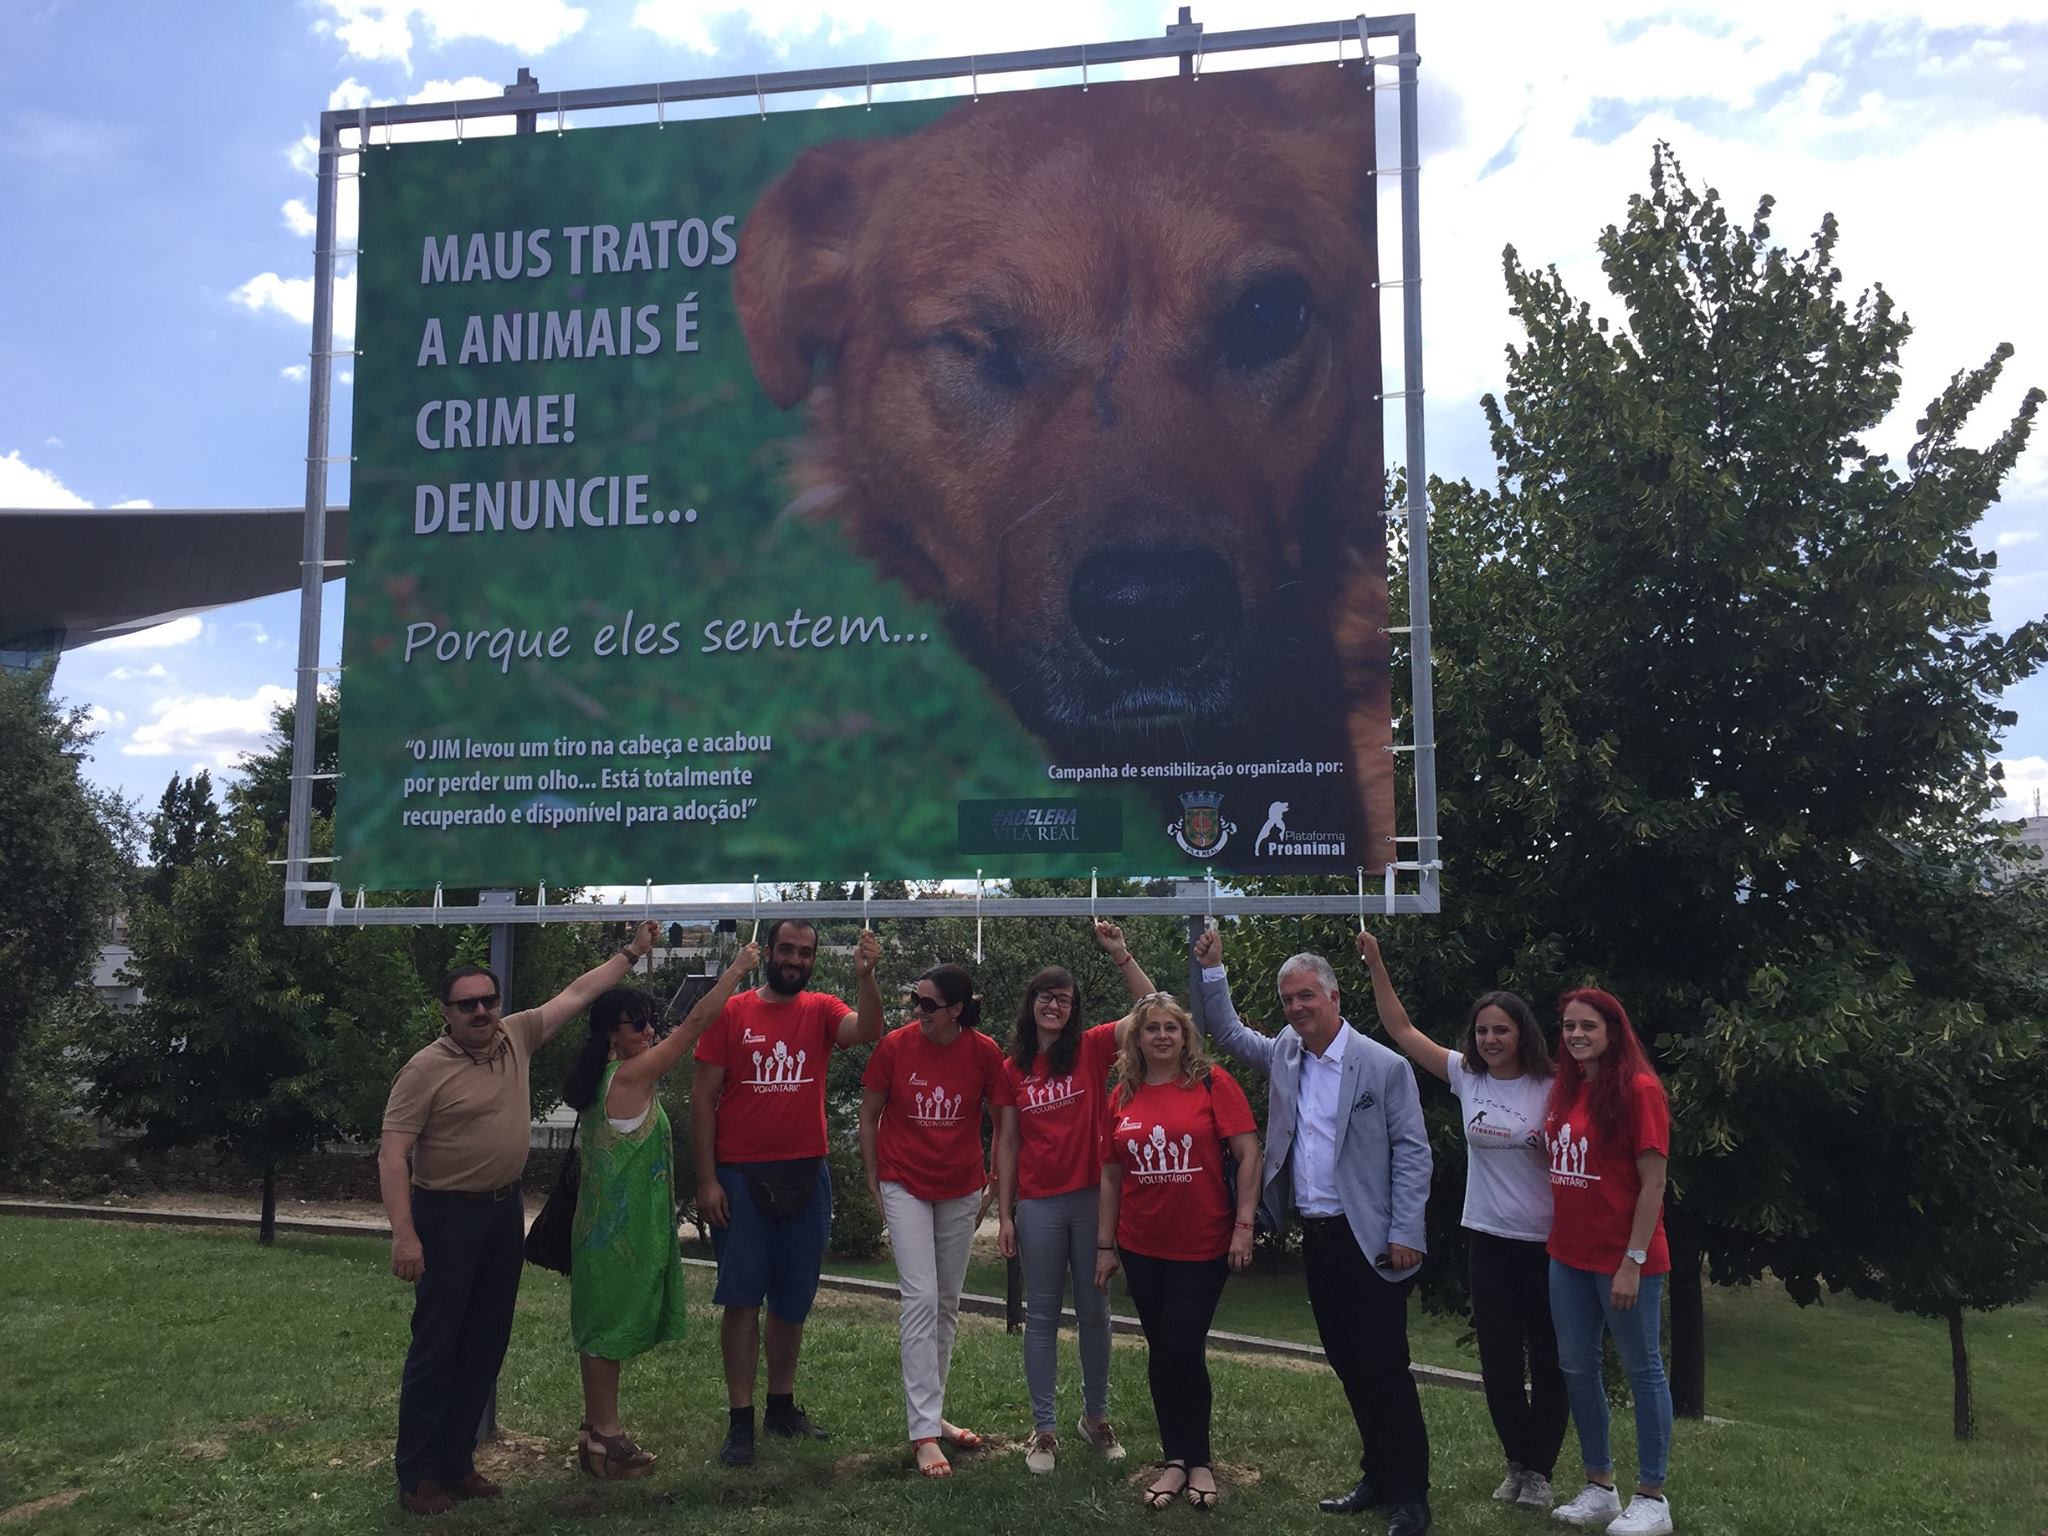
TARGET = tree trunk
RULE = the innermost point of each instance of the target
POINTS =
(1688, 1323)
(1959, 1363)
(266, 1230)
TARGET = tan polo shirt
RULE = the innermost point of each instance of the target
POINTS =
(470, 1112)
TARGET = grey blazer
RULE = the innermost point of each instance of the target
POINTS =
(1383, 1161)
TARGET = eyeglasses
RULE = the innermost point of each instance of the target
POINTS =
(1060, 1001)
(925, 1004)
(472, 1004)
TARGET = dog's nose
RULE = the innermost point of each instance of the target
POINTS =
(1151, 610)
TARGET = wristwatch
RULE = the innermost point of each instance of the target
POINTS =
(1641, 1256)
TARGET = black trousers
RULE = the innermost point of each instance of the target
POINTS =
(461, 1323)
(1176, 1301)
(1362, 1320)
(1511, 1314)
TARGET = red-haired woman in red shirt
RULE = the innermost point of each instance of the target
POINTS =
(1608, 1127)
(1170, 1222)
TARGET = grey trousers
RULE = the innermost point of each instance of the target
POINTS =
(1055, 1239)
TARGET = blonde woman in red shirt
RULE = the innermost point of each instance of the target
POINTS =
(1170, 1222)
(926, 1088)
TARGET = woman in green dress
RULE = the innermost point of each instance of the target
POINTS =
(626, 1274)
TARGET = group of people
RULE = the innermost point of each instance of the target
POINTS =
(1118, 1148)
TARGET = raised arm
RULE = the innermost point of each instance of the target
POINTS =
(1418, 1047)
(649, 1067)
(1111, 938)
(577, 997)
(864, 1024)
(1408, 1146)
(1218, 1015)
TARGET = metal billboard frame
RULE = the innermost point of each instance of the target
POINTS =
(311, 901)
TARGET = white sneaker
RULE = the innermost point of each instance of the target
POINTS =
(1644, 1516)
(1594, 1506)
(1535, 1492)
(1510, 1487)
(1039, 1454)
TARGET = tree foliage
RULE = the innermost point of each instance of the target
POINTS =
(64, 850)
(184, 829)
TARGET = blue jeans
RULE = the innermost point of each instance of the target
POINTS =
(1578, 1310)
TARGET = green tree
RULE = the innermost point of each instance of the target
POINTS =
(64, 847)
(265, 789)
(185, 828)
(1703, 656)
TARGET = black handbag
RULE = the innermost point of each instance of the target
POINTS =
(549, 1239)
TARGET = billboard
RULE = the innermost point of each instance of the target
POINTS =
(955, 485)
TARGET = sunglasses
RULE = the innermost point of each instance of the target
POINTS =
(928, 1004)
(472, 1004)
(640, 1025)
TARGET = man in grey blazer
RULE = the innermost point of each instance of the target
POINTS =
(1347, 1155)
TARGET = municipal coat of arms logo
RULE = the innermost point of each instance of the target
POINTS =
(1201, 830)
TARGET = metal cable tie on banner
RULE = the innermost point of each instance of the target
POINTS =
(867, 892)
(437, 903)
(1084, 67)
(361, 901)
(660, 121)
(1398, 282)
(542, 900)
(1197, 72)
(333, 904)
(1390, 889)
(1091, 897)
(337, 352)
(311, 858)
(1431, 837)
(312, 776)
(332, 458)
(760, 98)
(977, 917)
(973, 78)
(560, 126)
(1361, 898)
(647, 904)
(1402, 394)
(335, 668)
(324, 564)
(1420, 746)
(458, 140)
(869, 71)
(1340, 44)
(1209, 912)
(754, 932)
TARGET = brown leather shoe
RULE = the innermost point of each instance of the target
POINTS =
(429, 1498)
(475, 1486)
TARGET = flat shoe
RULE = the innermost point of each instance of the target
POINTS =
(931, 1469)
(961, 1439)
(1202, 1499)
(1165, 1498)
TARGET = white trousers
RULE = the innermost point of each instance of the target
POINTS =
(931, 1240)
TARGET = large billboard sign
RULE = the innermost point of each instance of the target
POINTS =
(990, 484)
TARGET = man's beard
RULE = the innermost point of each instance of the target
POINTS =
(788, 979)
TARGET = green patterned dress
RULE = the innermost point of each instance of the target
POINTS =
(626, 1279)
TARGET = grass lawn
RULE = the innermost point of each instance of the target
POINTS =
(187, 1380)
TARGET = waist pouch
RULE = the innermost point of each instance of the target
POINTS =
(782, 1189)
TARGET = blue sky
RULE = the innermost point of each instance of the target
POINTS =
(154, 182)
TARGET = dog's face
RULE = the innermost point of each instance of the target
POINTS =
(1100, 372)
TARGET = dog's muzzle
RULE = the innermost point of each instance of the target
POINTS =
(1150, 613)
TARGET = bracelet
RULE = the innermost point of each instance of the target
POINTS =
(1125, 961)
(1105, 1247)
(1244, 1226)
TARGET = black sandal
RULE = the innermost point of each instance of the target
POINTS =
(1164, 1498)
(1203, 1499)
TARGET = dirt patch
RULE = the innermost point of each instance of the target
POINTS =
(514, 1455)
(20, 1512)
(901, 1459)
(205, 1448)
(262, 1426)
(1229, 1475)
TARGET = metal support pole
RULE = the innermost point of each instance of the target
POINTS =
(1421, 689)
(313, 546)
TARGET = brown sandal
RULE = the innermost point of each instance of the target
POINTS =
(1165, 1498)
(613, 1458)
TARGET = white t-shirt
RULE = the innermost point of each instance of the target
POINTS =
(1507, 1170)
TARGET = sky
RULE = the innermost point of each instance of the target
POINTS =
(156, 185)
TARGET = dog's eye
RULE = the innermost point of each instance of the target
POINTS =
(1266, 323)
(994, 353)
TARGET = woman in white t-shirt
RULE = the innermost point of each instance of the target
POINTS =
(1500, 1075)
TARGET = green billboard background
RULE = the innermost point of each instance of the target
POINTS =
(537, 705)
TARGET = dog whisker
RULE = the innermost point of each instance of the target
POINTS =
(811, 501)
(1026, 515)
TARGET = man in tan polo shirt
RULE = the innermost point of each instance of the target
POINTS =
(460, 1110)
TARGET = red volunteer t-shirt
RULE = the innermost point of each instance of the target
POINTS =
(771, 1108)
(929, 1138)
(1168, 1139)
(1059, 1119)
(1594, 1182)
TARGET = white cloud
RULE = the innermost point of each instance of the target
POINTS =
(212, 729)
(257, 634)
(23, 485)
(102, 717)
(298, 218)
(2025, 778)
(292, 297)
(133, 504)
(53, 442)
(910, 28)
(161, 637)
(349, 95)
(2014, 536)
(304, 155)
(383, 29)
(155, 671)
(296, 372)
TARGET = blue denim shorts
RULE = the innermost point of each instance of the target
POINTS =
(772, 1259)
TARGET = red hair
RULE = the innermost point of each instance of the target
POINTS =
(1613, 1093)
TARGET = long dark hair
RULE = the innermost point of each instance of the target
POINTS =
(1613, 1094)
(614, 1006)
(1530, 1048)
(1060, 1059)
(955, 984)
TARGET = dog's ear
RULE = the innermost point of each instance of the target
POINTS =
(790, 282)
